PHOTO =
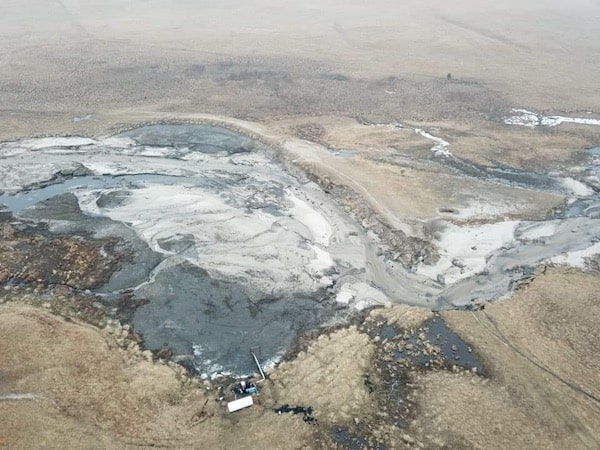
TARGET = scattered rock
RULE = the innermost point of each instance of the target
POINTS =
(164, 353)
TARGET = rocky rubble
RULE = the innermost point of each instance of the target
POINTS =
(393, 243)
(38, 257)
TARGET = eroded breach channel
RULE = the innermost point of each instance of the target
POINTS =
(232, 252)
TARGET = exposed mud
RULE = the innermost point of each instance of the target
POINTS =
(222, 242)
(230, 251)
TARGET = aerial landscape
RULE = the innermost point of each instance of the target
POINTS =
(346, 225)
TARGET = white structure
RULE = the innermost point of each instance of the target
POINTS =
(240, 403)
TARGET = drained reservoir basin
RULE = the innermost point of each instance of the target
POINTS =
(233, 253)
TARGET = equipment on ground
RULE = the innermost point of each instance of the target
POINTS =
(240, 403)
(244, 390)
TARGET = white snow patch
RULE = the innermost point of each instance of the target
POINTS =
(552, 121)
(318, 226)
(155, 152)
(322, 262)
(74, 141)
(484, 209)
(21, 397)
(577, 187)
(360, 295)
(577, 258)
(525, 118)
(345, 295)
(367, 296)
(84, 118)
(270, 363)
(390, 126)
(8, 150)
(118, 142)
(326, 281)
(230, 243)
(467, 246)
(440, 148)
(100, 166)
(105, 168)
(209, 369)
(536, 230)
(159, 211)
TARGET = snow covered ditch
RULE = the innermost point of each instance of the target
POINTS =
(525, 118)
(440, 147)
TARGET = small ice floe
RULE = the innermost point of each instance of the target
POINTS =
(440, 147)
(525, 118)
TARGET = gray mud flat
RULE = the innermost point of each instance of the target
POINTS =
(188, 305)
